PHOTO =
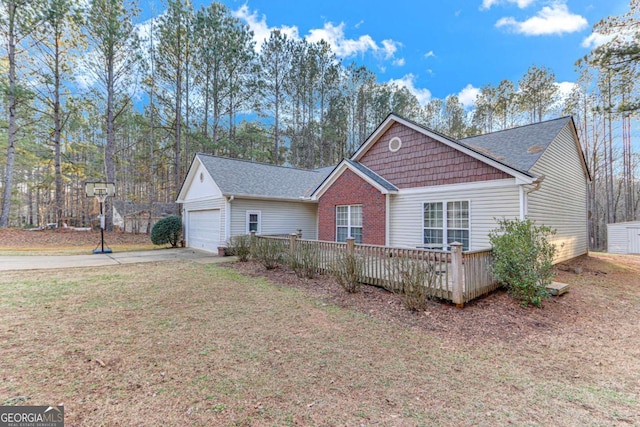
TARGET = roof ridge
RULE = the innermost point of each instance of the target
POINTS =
(517, 127)
(258, 163)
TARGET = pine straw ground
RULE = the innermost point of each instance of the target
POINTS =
(15, 241)
(181, 344)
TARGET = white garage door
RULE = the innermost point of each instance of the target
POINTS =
(204, 230)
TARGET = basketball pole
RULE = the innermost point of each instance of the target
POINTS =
(101, 190)
(101, 225)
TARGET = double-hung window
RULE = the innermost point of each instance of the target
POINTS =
(445, 223)
(253, 221)
(349, 223)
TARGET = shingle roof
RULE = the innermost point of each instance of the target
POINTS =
(519, 147)
(245, 178)
(371, 174)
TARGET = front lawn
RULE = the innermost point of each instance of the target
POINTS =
(182, 344)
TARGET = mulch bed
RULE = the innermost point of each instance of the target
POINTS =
(495, 316)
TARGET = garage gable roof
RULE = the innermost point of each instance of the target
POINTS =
(237, 177)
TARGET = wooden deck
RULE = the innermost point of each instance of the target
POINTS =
(455, 276)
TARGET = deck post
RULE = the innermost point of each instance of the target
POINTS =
(252, 240)
(292, 244)
(457, 285)
(351, 245)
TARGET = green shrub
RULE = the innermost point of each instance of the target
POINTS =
(167, 230)
(240, 246)
(347, 269)
(523, 259)
(269, 252)
(304, 261)
(416, 278)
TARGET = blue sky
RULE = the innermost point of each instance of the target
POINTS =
(438, 48)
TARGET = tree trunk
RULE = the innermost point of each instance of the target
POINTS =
(12, 105)
(109, 152)
(57, 131)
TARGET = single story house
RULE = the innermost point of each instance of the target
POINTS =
(623, 237)
(405, 186)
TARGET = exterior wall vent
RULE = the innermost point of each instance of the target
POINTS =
(394, 144)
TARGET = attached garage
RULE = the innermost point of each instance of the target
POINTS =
(203, 229)
(623, 238)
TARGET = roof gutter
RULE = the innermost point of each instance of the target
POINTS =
(231, 197)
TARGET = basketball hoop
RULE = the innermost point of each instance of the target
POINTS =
(101, 190)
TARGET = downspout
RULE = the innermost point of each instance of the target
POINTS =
(227, 217)
(387, 215)
(524, 196)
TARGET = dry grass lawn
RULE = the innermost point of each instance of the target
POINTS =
(181, 344)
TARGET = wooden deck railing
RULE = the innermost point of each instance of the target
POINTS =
(455, 276)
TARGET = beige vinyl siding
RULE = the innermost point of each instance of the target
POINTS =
(213, 203)
(276, 217)
(486, 202)
(560, 202)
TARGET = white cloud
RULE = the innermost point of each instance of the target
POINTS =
(522, 4)
(389, 47)
(564, 89)
(595, 40)
(429, 54)
(399, 62)
(341, 46)
(554, 19)
(467, 96)
(258, 24)
(331, 33)
(408, 81)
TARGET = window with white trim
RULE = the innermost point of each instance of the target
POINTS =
(349, 223)
(254, 221)
(445, 223)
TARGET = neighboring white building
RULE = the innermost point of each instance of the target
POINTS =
(623, 238)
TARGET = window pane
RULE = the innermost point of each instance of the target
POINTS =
(461, 236)
(342, 234)
(433, 214)
(356, 216)
(458, 214)
(342, 216)
(432, 236)
(356, 233)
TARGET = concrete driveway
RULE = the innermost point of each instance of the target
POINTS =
(40, 262)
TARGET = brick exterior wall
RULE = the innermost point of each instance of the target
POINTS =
(423, 161)
(350, 189)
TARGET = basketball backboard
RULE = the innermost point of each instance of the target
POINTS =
(100, 189)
